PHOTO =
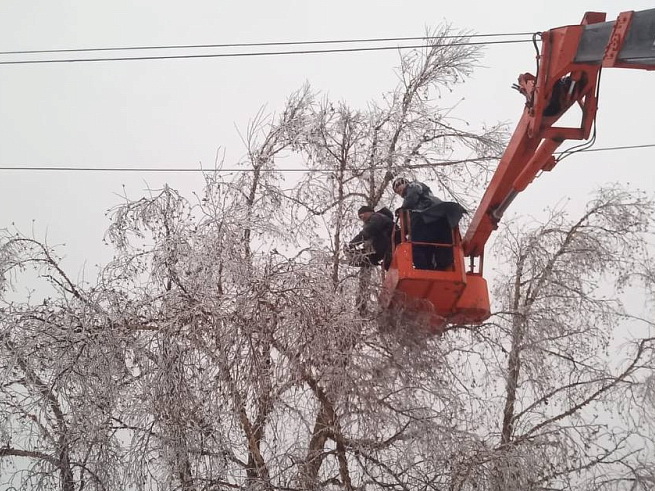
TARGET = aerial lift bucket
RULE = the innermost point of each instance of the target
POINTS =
(450, 296)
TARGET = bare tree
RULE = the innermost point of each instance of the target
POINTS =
(564, 420)
(61, 377)
(189, 366)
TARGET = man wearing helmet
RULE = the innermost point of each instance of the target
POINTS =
(432, 220)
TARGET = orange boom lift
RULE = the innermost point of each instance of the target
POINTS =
(568, 69)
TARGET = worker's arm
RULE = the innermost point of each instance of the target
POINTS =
(357, 239)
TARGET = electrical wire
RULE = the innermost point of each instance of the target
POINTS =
(538, 58)
(235, 169)
(256, 53)
(261, 44)
(585, 146)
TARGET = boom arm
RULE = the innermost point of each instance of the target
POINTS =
(568, 70)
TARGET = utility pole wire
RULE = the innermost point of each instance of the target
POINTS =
(235, 169)
(252, 45)
(257, 53)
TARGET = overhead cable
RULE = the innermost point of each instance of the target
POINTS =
(236, 169)
(260, 44)
(253, 53)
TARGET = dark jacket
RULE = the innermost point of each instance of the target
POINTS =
(418, 198)
(378, 231)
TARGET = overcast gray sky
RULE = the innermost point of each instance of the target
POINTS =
(176, 113)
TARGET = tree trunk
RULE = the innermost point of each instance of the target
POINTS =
(308, 476)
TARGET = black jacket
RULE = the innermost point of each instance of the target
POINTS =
(378, 231)
(418, 198)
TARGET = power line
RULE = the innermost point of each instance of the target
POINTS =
(256, 53)
(260, 44)
(235, 169)
(626, 147)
